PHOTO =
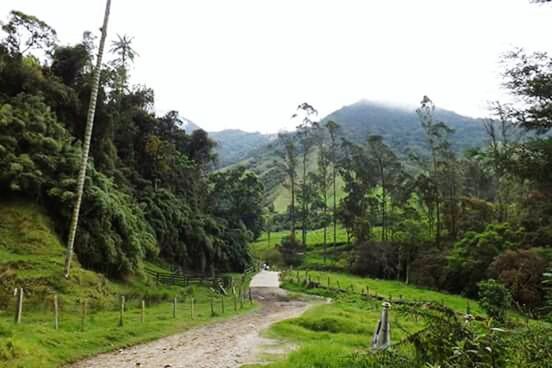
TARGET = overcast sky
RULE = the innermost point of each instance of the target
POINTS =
(248, 63)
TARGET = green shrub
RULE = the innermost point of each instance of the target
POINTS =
(495, 298)
(292, 251)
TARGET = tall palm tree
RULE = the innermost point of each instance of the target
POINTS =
(123, 48)
(86, 146)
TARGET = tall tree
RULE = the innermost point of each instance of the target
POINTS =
(307, 137)
(25, 32)
(358, 172)
(288, 165)
(501, 135)
(333, 128)
(86, 146)
(437, 138)
(122, 47)
(323, 180)
(388, 170)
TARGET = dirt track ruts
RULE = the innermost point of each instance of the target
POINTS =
(225, 344)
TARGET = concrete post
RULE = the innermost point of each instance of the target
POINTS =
(382, 334)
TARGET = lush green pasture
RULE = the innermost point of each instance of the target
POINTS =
(389, 289)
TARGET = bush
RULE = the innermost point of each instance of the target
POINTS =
(292, 251)
(471, 257)
(428, 269)
(376, 259)
(494, 298)
(521, 272)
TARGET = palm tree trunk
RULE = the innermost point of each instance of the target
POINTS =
(292, 209)
(305, 203)
(334, 209)
(86, 147)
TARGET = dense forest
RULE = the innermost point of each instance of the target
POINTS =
(149, 191)
(433, 215)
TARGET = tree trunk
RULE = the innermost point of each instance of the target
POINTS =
(86, 147)
(334, 206)
(407, 276)
(305, 201)
(292, 209)
(383, 195)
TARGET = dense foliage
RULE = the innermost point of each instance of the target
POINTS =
(430, 213)
(148, 191)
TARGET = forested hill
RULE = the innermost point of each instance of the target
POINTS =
(148, 193)
(234, 145)
(400, 128)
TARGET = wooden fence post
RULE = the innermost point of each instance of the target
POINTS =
(56, 312)
(235, 301)
(143, 313)
(19, 309)
(174, 308)
(192, 307)
(328, 282)
(212, 307)
(222, 304)
(250, 297)
(122, 312)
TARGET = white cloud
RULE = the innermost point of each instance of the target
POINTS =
(248, 63)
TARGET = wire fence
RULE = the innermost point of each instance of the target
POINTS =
(331, 285)
(58, 311)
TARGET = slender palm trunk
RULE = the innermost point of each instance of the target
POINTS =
(305, 200)
(383, 195)
(324, 215)
(334, 209)
(292, 209)
(86, 147)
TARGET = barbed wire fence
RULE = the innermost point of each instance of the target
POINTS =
(223, 296)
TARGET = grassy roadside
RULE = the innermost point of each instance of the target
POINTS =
(390, 289)
(31, 257)
(329, 335)
(35, 342)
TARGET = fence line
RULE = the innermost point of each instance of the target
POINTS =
(67, 312)
(310, 283)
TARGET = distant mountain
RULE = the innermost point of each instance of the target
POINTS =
(234, 145)
(400, 127)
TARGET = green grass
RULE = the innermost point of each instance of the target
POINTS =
(328, 334)
(35, 342)
(392, 289)
(282, 196)
(32, 255)
(315, 238)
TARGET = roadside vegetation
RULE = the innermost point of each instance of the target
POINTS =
(32, 258)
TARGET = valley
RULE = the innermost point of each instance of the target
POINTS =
(377, 235)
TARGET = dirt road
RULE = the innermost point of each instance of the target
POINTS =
(226, 344)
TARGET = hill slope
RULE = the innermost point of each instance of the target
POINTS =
(234, 145)
(400, 127)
